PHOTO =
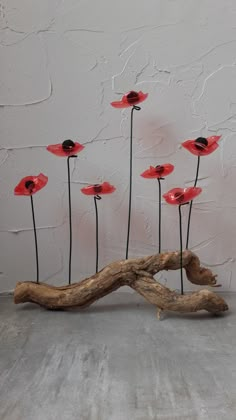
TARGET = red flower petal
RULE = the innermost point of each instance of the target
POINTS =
(105, 188)
(181, 195)
(58, 150)
(130, 99)
(120, 104)
(158, 171)
(213, 139)
(35, 183)
(201, 149)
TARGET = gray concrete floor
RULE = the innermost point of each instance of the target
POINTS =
(116, 361)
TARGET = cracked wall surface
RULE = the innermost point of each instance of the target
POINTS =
(62, 63)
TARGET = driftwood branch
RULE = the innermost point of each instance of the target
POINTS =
(136, 273)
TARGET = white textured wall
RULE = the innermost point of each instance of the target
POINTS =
(62, 62)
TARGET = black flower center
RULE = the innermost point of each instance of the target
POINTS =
(159, 169)
(132, 97)
(68, 145)
(201, 143)
(179, 197)
(30, 185)
(97, 188)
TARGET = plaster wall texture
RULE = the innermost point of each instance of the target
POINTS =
(62, 63)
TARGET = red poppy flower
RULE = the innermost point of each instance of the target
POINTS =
(130, 99)
(202, 146)
(181, 195)
(31, 184)
(67, 148)
(158, 171)
(104, 188)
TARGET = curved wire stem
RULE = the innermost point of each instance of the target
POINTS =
(159, 216)
(35, 240)
(181, 247)
(191, 203)
(137, 108)
(96, 197)
(181, 250)
(70, 219)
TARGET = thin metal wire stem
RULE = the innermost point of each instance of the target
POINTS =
(97, 197)
(70, 219)
(191, 204)
(137, 108)
(181, 250)
(35, 239)
(159, 222)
